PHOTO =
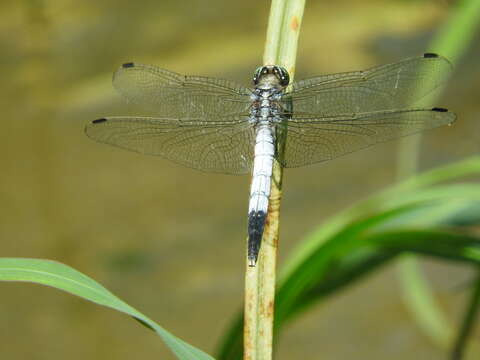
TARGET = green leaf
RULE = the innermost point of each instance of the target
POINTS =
(468, 322)
(329, 270)
(419, 188)
(372, 250)
(368, 235)
(65, 278)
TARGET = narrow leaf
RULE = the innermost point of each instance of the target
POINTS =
(63, 277)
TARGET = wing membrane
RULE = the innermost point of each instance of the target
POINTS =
(312, 139)
(203, 122)
(181, 97)
(387, 87)
(223, 147)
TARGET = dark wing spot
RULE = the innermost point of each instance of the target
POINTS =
(128, 65)
(430, 55)
(98, 121)
(439, 109)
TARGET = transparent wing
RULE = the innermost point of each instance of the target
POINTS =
(311, 139)
(386, 87)
(223, 147)
(181, 97)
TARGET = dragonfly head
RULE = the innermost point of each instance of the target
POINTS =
(271, 75)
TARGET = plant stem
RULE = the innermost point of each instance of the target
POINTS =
(280, 49)
(417, 294)
(451, 41)
(468, 321)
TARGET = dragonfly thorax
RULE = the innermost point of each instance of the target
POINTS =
(265, 104)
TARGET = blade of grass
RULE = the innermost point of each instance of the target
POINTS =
(280, 49)
(418, 295)
(63, 277)
(451, 41)
(380, 201)
(454, 38)
(317, 264)
(343, 244)
(357, 250)
(348, 236)
(468, 321)
(371, 250)
(349, 264)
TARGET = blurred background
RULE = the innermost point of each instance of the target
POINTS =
(169, 240)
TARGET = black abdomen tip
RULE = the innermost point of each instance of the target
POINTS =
(128, 65)
(98, 121)
(430, 55)
(256, 225)
(438, 109)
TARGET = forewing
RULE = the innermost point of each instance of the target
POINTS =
(223, 147)
(312, 139)
(387, 87)
(182, 97)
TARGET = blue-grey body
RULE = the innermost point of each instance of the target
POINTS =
(267, 113)
(216, 125)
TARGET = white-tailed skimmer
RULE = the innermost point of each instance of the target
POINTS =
(216, 125)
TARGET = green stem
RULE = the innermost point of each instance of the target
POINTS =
(451, 41)
(280, 49)
(417, 295)
(468, 322)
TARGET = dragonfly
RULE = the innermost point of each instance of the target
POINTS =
(216, 125)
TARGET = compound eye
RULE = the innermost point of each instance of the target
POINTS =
(284, 77)
(257, 74)
(277, 73)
